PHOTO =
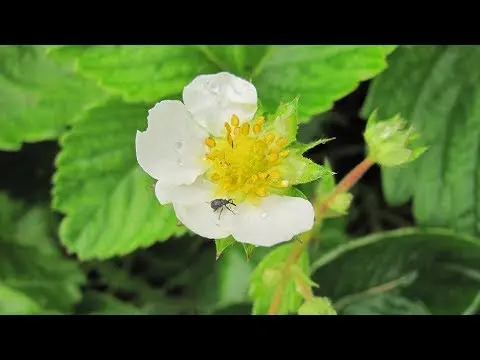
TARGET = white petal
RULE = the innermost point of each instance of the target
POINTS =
(171, 148)
(213, 99)
(275, 220)
(184, 194)
(195, 212)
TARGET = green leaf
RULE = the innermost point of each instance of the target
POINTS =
(14, 302)
(384, 304)
(272, 273)
(136, 279)
(432, 266)
(32, 266)
(96, 303)
(318, 74)
(435, 89)
(238, 59)
(39, 98)
(317, 306)
(110, 206)
(139, 73)
(219, 284)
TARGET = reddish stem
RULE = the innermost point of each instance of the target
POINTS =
(344, 185)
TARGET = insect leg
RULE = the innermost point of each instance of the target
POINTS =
(221, 210)
(230, 209)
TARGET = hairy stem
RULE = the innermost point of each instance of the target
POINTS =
(320, 208)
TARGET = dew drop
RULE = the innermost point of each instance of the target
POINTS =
(263, 215)
(179, 145)
(179, 162)
(214, 88)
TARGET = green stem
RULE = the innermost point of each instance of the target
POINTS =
(321, 207)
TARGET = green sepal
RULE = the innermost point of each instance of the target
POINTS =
(222, 244)
(317, 306)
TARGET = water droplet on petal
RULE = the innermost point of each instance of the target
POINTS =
(263, 215)
(179, 162)
(179, 145)
(214, 88)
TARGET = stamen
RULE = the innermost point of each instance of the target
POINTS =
(281, 141)
(272, 157)
(262, 175)
(234, 120)
(269, 138)
(274, 175)
(245, 128)
(244, 162)
(210, 142)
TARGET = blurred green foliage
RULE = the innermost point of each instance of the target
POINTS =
(102, 244)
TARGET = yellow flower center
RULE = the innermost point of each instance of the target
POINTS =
(245, 163)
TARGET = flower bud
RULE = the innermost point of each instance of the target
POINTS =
(391, 142)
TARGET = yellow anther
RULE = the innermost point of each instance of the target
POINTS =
(281, 141)
(210, 142)
(246, 161)
(245, 128)
(257, 128)
(274, 175)
(269, 138)
(260, 120)
(272, 157)
(261, 191)
(234, 120)
(253, 179)
(274, 150)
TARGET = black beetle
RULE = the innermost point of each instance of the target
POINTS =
(216, 204)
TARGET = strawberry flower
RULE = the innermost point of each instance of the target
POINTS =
(216, 145)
